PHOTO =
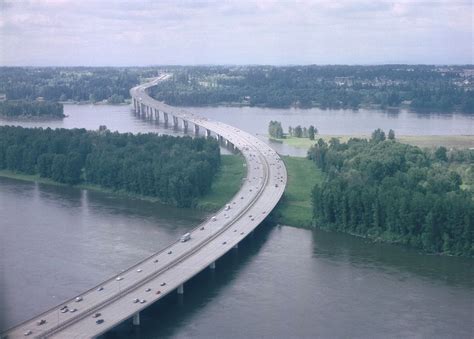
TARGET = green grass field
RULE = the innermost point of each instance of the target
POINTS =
(428, 141)
(226, 183)
(295, 208)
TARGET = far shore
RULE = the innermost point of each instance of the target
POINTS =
(423, 141)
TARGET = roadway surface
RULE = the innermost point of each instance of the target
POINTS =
(165, 271)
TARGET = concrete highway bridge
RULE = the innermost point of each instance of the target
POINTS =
(124, 296)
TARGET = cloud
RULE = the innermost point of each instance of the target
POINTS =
(265, 31)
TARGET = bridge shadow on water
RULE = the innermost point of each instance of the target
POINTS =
(165, 317)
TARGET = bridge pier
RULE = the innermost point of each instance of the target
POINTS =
(157, 116)
(165, 118)
(208, 133)
(175, 122)
(181, 289)
(136, 319)
(212, 266)
(229, 145)
(196, 130)
(185, 126)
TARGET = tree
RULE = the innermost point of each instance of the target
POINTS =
(312, 132)
(115, 99)
(391, 134)
(441, 154)
(275, 130)
(57, 167)
(378, 135)
(298, 131)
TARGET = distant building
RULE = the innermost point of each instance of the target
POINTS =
(340, 81)
(39, 99)
(3, 97)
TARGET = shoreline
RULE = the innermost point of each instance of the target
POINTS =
(423, 141)
(229, 176)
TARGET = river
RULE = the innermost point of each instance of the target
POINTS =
(255, 120)
(283, 282)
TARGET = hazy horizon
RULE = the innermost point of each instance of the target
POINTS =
(267, 32)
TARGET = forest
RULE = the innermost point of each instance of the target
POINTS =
(417, 87)
(384, 190)
(70, 83)
(423, 88)
(39, 109)
(176, 170)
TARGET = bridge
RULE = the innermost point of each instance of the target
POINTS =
(124, 296)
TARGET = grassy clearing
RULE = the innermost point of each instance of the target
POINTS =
(226, 183)
(295, 208)
(429, 141)
(432, 141)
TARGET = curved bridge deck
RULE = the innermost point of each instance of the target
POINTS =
(167, 270)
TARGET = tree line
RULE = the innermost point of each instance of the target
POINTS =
(23, 108)
(177, 170)
(419, 87)
(303, 132)
(71, 83)
(385, 190)
(275, 130)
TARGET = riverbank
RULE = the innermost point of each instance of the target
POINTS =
(225, 185)
(423, 141)
(294, 209)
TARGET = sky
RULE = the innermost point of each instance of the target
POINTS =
(178, 32)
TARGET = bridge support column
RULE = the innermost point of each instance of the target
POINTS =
(185, 126)
(196, 130)
(212, 266)
(208, 133)
(181, 289)
(136, 319)
(165, 118)
(175, 122)
(157, 116)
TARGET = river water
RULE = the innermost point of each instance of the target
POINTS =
(283, 282)
(255, 120)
